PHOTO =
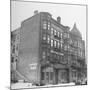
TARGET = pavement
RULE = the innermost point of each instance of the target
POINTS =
(29, 85)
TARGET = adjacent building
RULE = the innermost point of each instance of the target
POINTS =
(47, 51)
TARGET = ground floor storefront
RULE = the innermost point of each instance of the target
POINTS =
(59, 74)
(52, 75)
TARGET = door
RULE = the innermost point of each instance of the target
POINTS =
(62, 76)
(47, 75)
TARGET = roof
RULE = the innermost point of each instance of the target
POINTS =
(75, 31)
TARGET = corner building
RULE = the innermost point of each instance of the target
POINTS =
(45, 55)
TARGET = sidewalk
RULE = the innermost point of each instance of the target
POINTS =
(29, 85)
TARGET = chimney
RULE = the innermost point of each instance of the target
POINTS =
(35, 12)
(59, 19)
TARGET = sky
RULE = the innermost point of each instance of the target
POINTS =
(69, 14)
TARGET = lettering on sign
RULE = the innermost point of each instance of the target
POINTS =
(33, 66)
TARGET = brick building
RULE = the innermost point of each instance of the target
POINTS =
(48, 52)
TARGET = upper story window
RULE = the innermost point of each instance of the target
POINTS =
(55, 43)
(48, 39)
(70, 41)
(58, 33)
(65, 47)
(51, 42)
(44, 25)
(61, 45)
(51, 31)
(65, 35)
(58, 44)
(43, 54)
(13, 49)
(48, 25)
(55, 32)
(44, 36)
(68, 35)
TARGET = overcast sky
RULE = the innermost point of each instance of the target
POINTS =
(68, 13)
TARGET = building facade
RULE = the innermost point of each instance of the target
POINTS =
(48, 52)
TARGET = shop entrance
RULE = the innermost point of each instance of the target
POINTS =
(47, 75)
(61, 76)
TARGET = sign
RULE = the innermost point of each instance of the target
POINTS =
(33, 66)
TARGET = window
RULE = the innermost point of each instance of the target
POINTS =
(68, 35)
(48, 39)
(58, 34)
(48, 25)
(47, 75)
(13, 50)
(58, 44)
(55, 33)
(65, 35)
(70, 41)
(12, 59)
(43, 77)
(51, 75)
(55, 42)
(51, 43)
(68, 47)
(44, 25)
(65, 47)
(61, 45)
(43, 54)
(44, 36)
(51, 31)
